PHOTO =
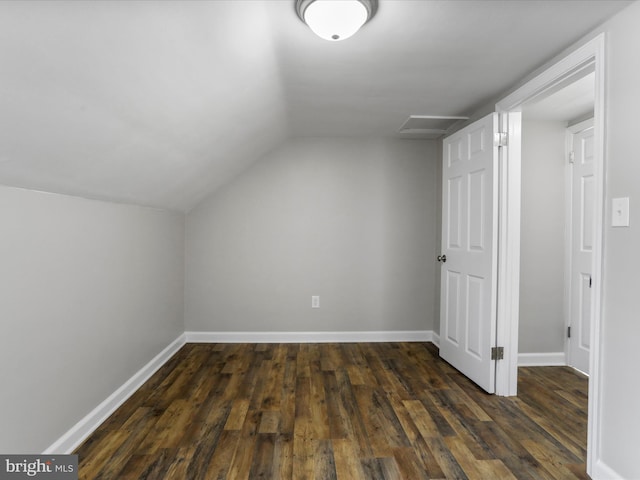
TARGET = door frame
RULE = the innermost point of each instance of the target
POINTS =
(590, 55)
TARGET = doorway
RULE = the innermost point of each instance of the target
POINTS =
(589, 56)
(556, 241)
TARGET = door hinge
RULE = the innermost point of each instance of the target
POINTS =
(568, 332)
(497, 353)
(572, 157)
(501, 139)
(590, 281)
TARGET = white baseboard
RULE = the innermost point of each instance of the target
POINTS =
(310, 337)
(81, 430)
(601, 471)
(435, 339)
(553, 359)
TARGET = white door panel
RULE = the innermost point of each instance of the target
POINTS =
(454, 188)
(582, 241)
(469, 215)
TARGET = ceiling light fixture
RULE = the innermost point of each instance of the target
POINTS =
(335, 20)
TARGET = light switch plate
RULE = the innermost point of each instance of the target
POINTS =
(620, 212)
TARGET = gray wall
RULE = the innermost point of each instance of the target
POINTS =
(351, 220)
(89, 293)
(438, 270)
(620, 420)
(620, 330)
(542, 247)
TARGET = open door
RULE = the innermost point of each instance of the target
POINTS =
(469, 250)
(583, 209)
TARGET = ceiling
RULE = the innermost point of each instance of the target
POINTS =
(159, 103)
(572, 102)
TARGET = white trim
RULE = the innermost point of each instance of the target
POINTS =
(595, 385)
(568, 240)
(310, 337)
(547, 359)
(602, 471)
(81, 430)
(589, 55)
(508, 304)
(576, 61)
(580, 126)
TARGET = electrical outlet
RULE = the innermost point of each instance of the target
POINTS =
(315, 301)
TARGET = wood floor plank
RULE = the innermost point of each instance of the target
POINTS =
(90, 466)
(160, 463)
(318, 406)
(421, 418)
(431, 466)
(179, 466)
(338, 411)
(303, 450)
(237, 415)
(494, 469)
(288, 395)
(136, 464)
(404, 418)
(262, 465)
(465, 423)
(357, 430)
(464, 457)
(383, 427)
(390, 468)
(136, 427)
(272, 395)
(337, 419)
(549, 459)
(444, 428)
(220, 459)
(270, 422)
(508, 449)
(445, 458)
(358, 369)
(206, 444)
(324, 465)
(386, 378)
(283, 456)
(242, 461)
(409, 465)
(555, 434)
(168, 430)
(373, 468)
(330, 357)
(348, 465)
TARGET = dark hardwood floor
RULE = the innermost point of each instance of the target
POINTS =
(338, 411)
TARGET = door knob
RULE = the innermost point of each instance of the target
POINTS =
(442, 258)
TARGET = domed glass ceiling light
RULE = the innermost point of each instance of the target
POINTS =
(335, 20)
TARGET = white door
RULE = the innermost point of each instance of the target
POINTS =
(469, 251)
(582, 206)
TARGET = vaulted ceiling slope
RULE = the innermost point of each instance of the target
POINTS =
(160, 102)
(152, 103)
